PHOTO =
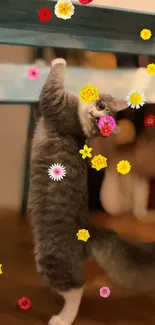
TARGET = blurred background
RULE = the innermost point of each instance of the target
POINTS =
(15, 118)
(20, 277)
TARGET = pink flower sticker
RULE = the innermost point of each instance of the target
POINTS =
(33, 73)
(57, 172)
(107, 120)
(104, 292)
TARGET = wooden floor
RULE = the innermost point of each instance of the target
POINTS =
(20, 279)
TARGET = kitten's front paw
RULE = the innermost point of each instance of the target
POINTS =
(58, 61)
(56, 320)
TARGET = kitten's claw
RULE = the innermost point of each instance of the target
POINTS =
(56, 320)
(58, 61)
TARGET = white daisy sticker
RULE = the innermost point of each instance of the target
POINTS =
(135, 99)
(57, 172)
(64, 9)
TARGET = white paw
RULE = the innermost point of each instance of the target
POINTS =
(56, 320)
(139, 214)
(147, 217)
(58, 61)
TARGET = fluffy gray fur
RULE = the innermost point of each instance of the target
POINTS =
(59, 209)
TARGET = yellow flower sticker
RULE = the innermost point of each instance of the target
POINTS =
(123, 167)
(85, 152)
(135, 99)
(64, 9)
(89, 93)
(145, 34)
(83, 234)
(151, 68)
(1, 269)
(99, 162)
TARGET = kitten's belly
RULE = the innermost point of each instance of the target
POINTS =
(64, 199)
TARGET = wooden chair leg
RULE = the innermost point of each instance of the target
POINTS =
(27, 165)
(33, 112)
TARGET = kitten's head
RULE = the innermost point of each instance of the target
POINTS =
(105, 105)
(110, 105)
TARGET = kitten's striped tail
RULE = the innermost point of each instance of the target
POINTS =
(129, 263)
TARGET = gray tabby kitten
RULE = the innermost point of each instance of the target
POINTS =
(59, 209)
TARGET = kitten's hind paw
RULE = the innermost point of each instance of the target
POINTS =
(56, 320)
(58, 61)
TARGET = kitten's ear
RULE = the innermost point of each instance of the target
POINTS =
(118, 105)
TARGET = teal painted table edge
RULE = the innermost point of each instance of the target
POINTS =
(118, 82)
(95, 28)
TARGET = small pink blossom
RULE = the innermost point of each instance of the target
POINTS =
(107, 120)
(57, 172)
(104, 292)
(33, 73)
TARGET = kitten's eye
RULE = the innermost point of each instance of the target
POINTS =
(101, 106)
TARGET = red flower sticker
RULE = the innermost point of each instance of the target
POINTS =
(44, 14)
(105, 130)
(24, 303)
(149, 120)
(85, 2)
